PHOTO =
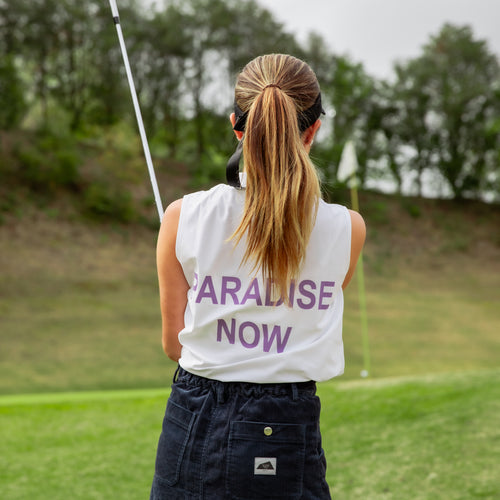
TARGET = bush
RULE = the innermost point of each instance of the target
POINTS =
(67, 168)
(212, 168)
(102, 202)
(45, 173)
(412, 208)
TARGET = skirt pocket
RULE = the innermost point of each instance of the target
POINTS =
(177, 425)
(265, 460)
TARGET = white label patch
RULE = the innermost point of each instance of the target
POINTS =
(264, 466)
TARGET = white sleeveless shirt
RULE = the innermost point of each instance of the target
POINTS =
(233, 331)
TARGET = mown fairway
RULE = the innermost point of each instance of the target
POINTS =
(421, 438)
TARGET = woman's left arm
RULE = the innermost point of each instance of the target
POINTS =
(358, 235)
(172, 282)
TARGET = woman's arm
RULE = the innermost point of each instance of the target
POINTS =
(358, 235)
(172, 282)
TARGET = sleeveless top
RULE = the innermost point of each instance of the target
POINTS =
(234, 331)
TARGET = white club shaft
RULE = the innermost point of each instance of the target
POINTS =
(145, 145)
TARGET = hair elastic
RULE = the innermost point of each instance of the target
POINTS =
(272, 85)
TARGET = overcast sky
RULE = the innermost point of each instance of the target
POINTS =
(378, 32)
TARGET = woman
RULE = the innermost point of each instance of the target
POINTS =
(251, 281)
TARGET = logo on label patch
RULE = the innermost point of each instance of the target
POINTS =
(264, 466)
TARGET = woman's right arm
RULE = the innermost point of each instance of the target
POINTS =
(358, 235)
(172, 282)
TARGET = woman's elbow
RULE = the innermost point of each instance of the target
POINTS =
(171, 349)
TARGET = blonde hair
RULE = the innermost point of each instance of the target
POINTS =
(282, 189)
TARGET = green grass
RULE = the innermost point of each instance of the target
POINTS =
(414, 438)
(434, 437)
(84, 339)
(426, 324)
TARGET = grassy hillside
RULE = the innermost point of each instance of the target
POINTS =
(79, 306)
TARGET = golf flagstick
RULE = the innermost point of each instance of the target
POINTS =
(347, 172)
(145, 145)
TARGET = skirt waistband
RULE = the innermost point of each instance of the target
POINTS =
(248, 389)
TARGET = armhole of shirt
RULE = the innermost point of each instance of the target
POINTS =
(349, 239)
(180, 231)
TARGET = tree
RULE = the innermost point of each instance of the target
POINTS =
(447, 106)
(205, 26)
(161, 59)
(108, 91)
(73, 69)
(254, 31)
(12, 101)
(40, 46)
(13, 21)
(352, 93)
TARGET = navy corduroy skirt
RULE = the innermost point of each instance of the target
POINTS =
(236, 440)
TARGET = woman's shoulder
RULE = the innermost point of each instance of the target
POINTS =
(220, 200)
(332, 209)
(335, 215)
(220, 194)
(217, 191)
(335, 208)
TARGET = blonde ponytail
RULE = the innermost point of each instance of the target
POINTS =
(282, 189)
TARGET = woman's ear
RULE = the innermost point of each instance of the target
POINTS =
(237, 133)
(309, 133)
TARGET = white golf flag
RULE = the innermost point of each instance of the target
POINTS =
(348, 165)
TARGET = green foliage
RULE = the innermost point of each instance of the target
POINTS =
(48, 163)
(118, 167)
(12, 98)
(447, 102)
(412, 208)
(252, 31)
(212, 168)
(62, 64)
(120, 158)
(103, 175)
(102, 201)
(377, 211)
(353, 94)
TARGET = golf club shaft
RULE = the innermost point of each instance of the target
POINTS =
(145, 145)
